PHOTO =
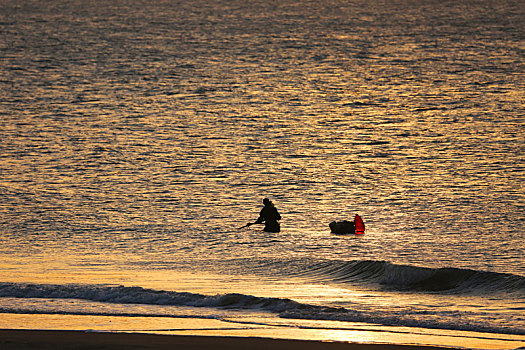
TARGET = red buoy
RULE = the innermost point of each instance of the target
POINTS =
(359, 225)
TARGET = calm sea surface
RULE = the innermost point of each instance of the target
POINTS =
(136, 137)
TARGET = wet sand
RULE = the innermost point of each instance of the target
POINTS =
(24, 339)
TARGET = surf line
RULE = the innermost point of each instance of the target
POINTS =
(375, 330)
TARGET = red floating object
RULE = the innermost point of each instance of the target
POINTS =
(359, 225)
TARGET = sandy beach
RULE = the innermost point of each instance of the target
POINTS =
(23, 339)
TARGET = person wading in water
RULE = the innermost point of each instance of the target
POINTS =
(269, 216)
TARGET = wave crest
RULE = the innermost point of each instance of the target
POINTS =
(285, 308)
(414, 278)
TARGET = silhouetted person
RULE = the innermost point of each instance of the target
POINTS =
(269, 216)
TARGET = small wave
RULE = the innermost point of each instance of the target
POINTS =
(138, 295)
(414, 278)
(285, 308)
(359, 104)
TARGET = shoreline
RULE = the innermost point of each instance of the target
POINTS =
(59, 339)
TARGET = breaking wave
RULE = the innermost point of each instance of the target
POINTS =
(285, 308)
(414, 278)
(138, 295)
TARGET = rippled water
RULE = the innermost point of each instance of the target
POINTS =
(140, 135)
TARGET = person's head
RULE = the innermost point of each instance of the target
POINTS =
(266, 201)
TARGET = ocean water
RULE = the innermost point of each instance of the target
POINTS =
(137, 137)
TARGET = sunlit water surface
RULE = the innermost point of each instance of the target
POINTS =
(136, 138)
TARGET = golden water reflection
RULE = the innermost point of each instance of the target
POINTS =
(303, 330)
(247, 323)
